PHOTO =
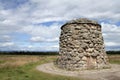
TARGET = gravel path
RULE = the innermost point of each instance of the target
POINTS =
(104, 74)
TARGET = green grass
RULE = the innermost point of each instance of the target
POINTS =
(2, 62)
(29, 72)
(114, 59)
(10, 70)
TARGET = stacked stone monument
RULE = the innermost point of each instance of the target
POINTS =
(81, 46)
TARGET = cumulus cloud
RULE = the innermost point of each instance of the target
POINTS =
(79, 8)
(39, 39)
(52, 47)
(36, 11)
(27, 17)
(111, 34)
(5, 38)
(6, 44)
(42, 33)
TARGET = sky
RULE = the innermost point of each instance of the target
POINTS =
(34, 25)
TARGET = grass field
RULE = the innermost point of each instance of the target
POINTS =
(114, 59)
(23, 67)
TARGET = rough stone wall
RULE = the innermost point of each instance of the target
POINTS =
(81, 46)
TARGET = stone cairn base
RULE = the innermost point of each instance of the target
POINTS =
(81, 46)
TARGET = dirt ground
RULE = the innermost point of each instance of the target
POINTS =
(104, 74)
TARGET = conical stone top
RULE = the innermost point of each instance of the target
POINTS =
(82, 21)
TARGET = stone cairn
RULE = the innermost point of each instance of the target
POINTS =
(81, 46)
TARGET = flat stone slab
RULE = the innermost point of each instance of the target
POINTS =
(102, 74)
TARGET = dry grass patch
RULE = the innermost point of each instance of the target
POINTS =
(15, 61)
(114, 59)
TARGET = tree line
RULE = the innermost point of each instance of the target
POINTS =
(41, 53)
(27, 53)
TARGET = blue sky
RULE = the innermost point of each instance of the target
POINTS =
(34, 25)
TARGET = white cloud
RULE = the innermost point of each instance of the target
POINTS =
(6, 44)
(40, 48)
(36, 11)
(79, 8)
(42, 33)
(39, 39)
(112, 44)
(111, 34)
(30, 46)
(110, 28)
(51, 48)
(27, 18)
(4, 38)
